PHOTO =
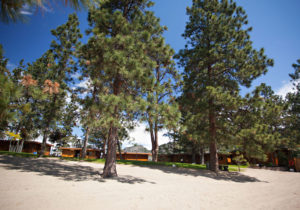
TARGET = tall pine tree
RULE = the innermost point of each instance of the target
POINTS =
(218, 57)
(117, 53)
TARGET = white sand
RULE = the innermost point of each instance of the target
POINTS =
(54, 184)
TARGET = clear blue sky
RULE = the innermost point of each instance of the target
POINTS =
(275, 25)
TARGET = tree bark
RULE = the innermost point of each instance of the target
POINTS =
(213, 162)
(202, 155)
(44, 145)
(110, 169)
(153, 135)
(193, 155)
(87, 133)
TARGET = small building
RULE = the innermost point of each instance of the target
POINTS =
(77, 152)
(224, 159)
(95, 153)
(33, 147)
(139, 156)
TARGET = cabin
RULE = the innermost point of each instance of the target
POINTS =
(28, 146)
(224, 159)
(139, 156)
(77, 152)
(95, 153)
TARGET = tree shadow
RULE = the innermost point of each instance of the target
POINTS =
(221, 175)
(64, 170)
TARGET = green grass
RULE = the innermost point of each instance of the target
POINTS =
(150, 163)
(127, 162)
(235, 167)
(20, 154)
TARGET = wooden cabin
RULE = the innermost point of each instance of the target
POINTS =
(135, 156)
(77, 152)
(224, 159)
(95, 153)
(28, 146)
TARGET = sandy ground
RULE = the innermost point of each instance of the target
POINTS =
(27, 183)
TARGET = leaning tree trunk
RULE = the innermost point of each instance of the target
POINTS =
(213, 162)
(83, 154)
(110, 169)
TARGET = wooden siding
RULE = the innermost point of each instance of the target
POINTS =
(187, 158)
(297, 164)
(77, 152)
(28, 146)
(134, 156)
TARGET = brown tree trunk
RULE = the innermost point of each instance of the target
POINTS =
(44, 145)
(119, 149)
(213, 162)
(193, 155)
(202, 155)
(153, 135)
(110, 169)
(86, 138)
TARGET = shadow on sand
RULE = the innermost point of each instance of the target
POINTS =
(221, 175)
(73, 171)
(64, 170)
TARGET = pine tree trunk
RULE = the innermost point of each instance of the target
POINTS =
(193, 155)
(213, 162)
(110, 169)
(110, 161)
(153, 135)
(202, 161)
(44, 143)
(119, 148)
(20, 146)
(156, 142)
(87, 133)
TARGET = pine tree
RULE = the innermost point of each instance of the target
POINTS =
(162, 110)
(259, 123)
(10, 10)
(217, 59)
(53, 72)
(9, 93)
(117, 54)
(293, 100)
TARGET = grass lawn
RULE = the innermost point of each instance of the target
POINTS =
(128, 162)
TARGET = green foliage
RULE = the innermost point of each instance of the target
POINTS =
(9, 92)
(217, 59)
(10, 10)
(293, 109)
(18, 154)
(259, 123)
